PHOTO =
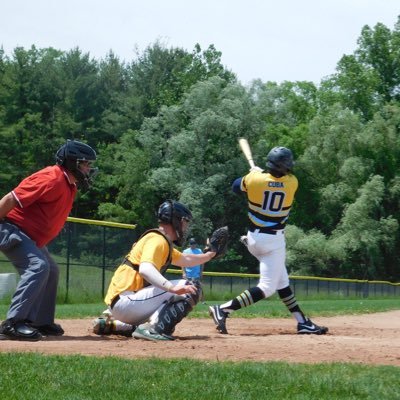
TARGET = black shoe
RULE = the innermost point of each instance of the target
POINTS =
(18, 330)
(219, 316)
(309, 328)
(50, 329)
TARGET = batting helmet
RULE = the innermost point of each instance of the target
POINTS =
(280, 159)
(71, 154)
(172, 212)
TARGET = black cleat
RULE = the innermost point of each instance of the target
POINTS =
(219, 316)
(309, 328)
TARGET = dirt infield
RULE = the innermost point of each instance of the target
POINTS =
(366, 339)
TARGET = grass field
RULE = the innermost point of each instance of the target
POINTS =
(77, 378)
(80, 378)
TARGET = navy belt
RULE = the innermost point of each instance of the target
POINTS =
(114, 301)
(261, 229)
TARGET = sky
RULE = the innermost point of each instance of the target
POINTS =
(284, 40)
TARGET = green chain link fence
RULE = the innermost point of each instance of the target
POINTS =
(89, 251)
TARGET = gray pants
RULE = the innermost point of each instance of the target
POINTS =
(35, 297)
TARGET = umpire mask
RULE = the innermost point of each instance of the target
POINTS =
(78, 158)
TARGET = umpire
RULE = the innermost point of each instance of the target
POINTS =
(31, 216)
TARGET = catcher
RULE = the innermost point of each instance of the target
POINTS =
(139, 296)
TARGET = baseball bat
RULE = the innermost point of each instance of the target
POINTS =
(244, 145)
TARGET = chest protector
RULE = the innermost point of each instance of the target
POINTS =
(167, 263)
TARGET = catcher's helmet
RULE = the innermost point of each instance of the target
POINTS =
(280, 159)
(71, 154)
(172, 212)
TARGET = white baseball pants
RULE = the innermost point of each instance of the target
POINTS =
(270, 251)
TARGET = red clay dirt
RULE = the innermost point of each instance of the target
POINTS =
(366, 339)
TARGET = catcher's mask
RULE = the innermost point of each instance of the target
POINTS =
(280, 161)
(72, 156)
(173, 213)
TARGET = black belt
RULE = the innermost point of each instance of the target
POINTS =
(114, 301)
(261, 229)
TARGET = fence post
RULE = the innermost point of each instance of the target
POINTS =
(366, 289)
(68, 260)
(103, 278)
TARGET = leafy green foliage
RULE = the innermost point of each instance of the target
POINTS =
(166, 125)
(370, 77)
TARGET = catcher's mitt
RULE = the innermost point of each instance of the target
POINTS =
(218, 242)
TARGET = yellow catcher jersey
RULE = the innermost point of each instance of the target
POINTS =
(153, 248)
(269, 199)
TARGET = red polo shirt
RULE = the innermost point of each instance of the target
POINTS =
(45, 200)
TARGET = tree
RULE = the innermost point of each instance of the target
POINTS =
(157, 82)
(160, 76)
(365, 233)
(369, 77)
(348, 180)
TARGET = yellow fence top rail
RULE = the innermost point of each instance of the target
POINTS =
(308, 278)
(100, 223)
